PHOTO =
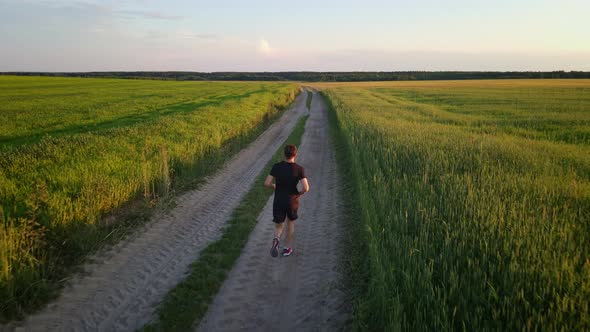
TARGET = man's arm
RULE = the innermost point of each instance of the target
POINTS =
(305, 186)
(269, 182)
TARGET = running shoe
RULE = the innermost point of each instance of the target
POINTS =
(274, 251)
(287, 252)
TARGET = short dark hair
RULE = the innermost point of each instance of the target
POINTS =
(290, 151)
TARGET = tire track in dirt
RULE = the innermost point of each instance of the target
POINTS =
(302, 292)
(121, 288)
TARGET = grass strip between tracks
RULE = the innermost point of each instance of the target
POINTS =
(188, 302)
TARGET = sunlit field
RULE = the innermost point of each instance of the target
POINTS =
(74, 151)
(474, 202)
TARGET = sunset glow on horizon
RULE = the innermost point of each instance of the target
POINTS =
(93, 35)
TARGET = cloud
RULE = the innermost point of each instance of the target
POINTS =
(105, 8)
(68, 8)
(182, 34)
(206, 36)
(264, 47)
(150, 15)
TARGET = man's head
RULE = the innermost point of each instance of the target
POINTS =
(290, 151)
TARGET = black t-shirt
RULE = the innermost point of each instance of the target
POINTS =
(287, 175)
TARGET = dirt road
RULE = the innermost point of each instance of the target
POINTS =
(121, 289)
(301, 292)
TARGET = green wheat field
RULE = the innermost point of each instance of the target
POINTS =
(74, 151)
(474, 202)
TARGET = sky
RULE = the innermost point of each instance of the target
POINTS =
(287, 35)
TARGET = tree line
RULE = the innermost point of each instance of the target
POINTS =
(310, 76)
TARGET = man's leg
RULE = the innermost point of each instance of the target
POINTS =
(279, 230)
(291, 217)
(274, 250)
(277, 216)
(290, 231)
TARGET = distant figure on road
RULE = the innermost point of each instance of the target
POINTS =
(283, 178)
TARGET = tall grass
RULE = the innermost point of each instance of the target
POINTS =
(78, 153)
(472, 217)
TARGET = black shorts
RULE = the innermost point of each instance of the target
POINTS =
(285, 207)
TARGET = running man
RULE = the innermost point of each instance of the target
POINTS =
(286, 175)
